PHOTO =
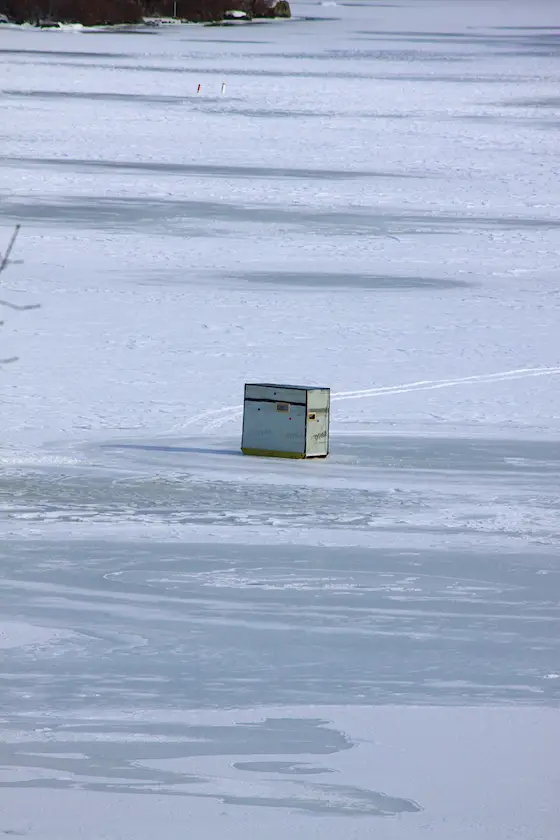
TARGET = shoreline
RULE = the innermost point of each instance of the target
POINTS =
(139, 13)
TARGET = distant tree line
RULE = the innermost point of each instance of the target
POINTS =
(101, 12)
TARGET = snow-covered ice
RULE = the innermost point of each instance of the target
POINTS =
(194, 643)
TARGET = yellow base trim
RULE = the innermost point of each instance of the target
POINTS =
(272, 453)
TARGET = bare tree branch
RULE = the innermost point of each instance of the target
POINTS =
(20, 308)
(3, 264)
(4, 261)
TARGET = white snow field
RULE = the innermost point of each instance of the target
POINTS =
(196, 644)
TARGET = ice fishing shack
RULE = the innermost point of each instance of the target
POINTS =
(286, 421)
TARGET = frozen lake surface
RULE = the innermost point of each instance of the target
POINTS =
(194, 643)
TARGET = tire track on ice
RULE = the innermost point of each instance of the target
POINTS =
(214, 418)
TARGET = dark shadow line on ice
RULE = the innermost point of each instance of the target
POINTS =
(145, 447)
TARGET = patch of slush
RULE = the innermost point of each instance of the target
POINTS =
(18, 634)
